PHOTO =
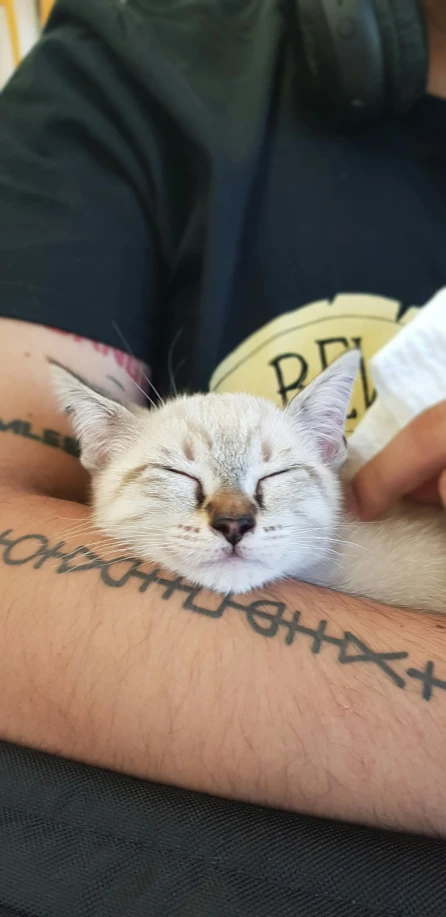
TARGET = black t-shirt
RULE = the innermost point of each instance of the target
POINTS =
(161, 171)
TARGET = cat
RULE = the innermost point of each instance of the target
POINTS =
(231, 492)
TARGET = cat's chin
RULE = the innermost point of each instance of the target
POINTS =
(234, 574)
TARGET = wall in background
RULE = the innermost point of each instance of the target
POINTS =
(27, 18)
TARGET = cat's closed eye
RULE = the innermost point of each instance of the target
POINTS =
(199, 493)
(275, 474)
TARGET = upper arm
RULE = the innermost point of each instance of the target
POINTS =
(78, 248)
(77, 243)
(37, 449)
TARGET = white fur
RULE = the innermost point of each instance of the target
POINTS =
(229, 442)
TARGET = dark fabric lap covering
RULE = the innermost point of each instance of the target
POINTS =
(78, 842)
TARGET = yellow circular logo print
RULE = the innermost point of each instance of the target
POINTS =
(281, 358)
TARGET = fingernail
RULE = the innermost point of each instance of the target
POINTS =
(351, 504)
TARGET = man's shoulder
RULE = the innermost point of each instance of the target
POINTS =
(209, 63)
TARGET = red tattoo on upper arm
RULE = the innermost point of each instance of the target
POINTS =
(135, 369)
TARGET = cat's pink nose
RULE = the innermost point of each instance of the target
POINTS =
(233, 527)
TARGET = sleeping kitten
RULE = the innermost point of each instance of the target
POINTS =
(231, 492)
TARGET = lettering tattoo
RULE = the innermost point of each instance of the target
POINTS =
(266, 618)
(47, 437)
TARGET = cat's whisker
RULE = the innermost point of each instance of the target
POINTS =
(149, 381)
(146, 396)
(103, 563)
(108, 559)
(80, 523)
(352, 544)
(335, 540)
(75, 530)
(67, 518)
(83, 520)
(76, 533)
(169, 362)
(107, 541)
(98, 547)
(70, 536)
(154, 389)
(331, 538)
(329, 549)
(90, 546)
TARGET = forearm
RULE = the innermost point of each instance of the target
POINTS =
(254, 698)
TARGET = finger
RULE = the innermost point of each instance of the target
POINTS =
(413, 457)
(428, 493)
(442, 488)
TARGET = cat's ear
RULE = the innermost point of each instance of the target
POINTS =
(103, 427)
(322, 407)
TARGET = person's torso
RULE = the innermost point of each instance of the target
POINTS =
(285, 240)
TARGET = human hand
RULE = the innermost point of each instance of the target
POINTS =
(412, 465)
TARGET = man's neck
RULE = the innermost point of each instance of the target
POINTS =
(435, 11)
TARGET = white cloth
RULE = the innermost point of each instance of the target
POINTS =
(409, 375)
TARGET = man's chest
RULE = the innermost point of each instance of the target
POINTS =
(326, 242)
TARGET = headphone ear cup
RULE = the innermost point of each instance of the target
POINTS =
(406, 53)
(361, 58)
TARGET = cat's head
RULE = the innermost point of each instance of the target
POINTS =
(226, 490)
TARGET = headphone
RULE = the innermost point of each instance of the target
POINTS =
(363, 58)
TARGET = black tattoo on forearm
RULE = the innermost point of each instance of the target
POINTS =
(266, 618)
(47, 437)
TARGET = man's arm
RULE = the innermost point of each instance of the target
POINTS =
(292, 697)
